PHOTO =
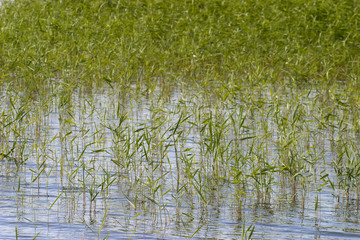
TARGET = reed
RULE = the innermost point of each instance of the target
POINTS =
(162, 117)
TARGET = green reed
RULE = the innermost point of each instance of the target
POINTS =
(302, 41)
(174, 103)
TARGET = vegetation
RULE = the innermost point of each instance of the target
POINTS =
(172, 111)
(90, 41)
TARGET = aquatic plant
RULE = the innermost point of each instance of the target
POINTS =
(164, 117)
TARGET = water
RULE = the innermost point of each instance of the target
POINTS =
(66, 174)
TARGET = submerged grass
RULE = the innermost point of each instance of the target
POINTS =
(173, 111)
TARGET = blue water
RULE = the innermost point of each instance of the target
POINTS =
(66, 164)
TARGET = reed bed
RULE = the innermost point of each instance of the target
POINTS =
(161, 119)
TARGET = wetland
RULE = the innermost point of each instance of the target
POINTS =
(179, 119)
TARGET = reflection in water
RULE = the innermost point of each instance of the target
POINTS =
(130, 163)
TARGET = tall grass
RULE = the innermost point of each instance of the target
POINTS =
(171, 108)
(117, 41)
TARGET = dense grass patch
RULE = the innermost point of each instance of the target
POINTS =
(272, 41)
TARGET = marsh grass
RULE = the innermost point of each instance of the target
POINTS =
(161, 117)
(138, 40)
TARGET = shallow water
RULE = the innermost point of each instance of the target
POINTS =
(59, 178)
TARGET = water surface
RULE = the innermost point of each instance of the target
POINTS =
(172, 163)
